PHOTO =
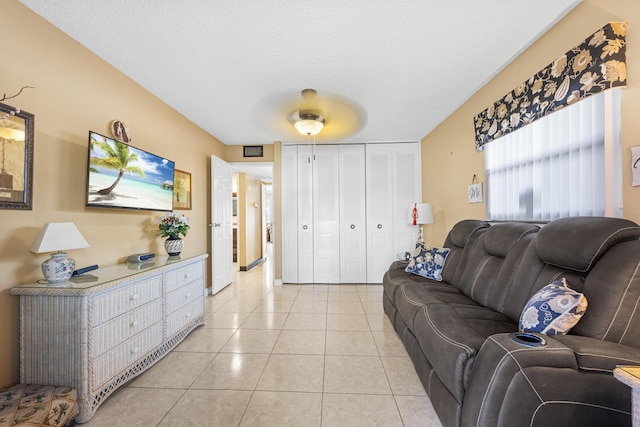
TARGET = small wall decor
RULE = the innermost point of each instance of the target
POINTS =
(181, 190)
(635, 165)
(16, 158)
(120, 131)
(475, 191)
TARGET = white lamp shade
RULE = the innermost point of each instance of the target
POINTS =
(424, 213)
(309, 127)
(58, 236)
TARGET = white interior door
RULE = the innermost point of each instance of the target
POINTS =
(221, 225)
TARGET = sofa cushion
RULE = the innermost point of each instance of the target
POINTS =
(553, 310)
(577, 243)
(428, 261)
(451, 334)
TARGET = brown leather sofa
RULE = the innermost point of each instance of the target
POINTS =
(460, 332)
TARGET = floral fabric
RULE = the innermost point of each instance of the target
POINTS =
(428, 261)
(553, 310)
(37, 405)
(597, 64)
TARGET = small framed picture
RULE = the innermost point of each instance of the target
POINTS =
(181, 190)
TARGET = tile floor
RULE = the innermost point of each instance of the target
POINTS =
(295, 355)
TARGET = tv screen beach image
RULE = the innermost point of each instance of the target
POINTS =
(126, 177)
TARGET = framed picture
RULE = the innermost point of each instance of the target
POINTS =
(16, 158)
(181, 190)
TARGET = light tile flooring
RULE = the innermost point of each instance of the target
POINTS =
(295, 355)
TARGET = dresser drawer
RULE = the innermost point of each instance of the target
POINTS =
(114, 303)
(183, 275)
(184, 315)
(118, 359)
(182, 296)
(113, 332)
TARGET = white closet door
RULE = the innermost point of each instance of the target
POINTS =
(326, 214)
(379, 211)
(393, 184)
(353, 236)
(289, 179)
(407, 190)
(305, 215)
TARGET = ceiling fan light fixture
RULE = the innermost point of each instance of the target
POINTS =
(309, 124)
(309, 127)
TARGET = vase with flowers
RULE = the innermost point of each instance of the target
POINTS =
(173, 225)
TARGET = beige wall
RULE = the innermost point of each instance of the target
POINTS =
(250, 222)
(449, 158)
(75, 91)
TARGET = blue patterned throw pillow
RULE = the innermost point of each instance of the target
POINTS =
(553, 310)
(428, 262)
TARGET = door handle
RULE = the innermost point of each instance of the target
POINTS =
(353, 226)
(379, 226)
(304, 227)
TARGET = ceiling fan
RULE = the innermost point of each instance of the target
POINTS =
(288, 116)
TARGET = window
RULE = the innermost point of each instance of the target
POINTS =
(564, 164)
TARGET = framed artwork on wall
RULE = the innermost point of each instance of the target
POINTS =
(181, 190)
(16, 158)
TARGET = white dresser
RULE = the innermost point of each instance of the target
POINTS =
(104, 328)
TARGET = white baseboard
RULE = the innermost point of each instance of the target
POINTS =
(277, 282)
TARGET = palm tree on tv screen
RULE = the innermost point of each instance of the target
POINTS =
(118, 157)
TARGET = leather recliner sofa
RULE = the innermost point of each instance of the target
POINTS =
(461, 332)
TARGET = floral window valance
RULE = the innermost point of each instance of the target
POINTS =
(597, 64)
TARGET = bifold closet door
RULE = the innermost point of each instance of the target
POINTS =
(353, 235)
(326, 214)
(297, 215)
(289, 171)
(393, 184)
(305, 227)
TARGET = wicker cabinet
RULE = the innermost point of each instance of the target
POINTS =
(102, 329)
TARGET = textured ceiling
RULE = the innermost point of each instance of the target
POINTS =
(227, 65)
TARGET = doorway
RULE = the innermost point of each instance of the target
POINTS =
(252, 212)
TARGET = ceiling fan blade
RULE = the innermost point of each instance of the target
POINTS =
(275, 116)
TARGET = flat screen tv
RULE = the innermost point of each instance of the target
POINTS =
(122, 176)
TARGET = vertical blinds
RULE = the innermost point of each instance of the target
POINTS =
(556, 167)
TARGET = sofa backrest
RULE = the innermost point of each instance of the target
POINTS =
(464, 233)
(490, 266)
(599, 257)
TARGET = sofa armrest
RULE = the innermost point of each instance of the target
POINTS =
(514, 384)
(592, 354)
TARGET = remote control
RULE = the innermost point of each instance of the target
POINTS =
(84, 270)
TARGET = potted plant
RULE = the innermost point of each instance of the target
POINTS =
(173, 225)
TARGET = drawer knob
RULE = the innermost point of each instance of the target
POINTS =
(186, 275)
(134, 350)
(133, 297)
(188, 314)
(134, 323)
(188, 295)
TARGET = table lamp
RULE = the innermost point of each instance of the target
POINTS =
(421, 213)
(58, 236)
